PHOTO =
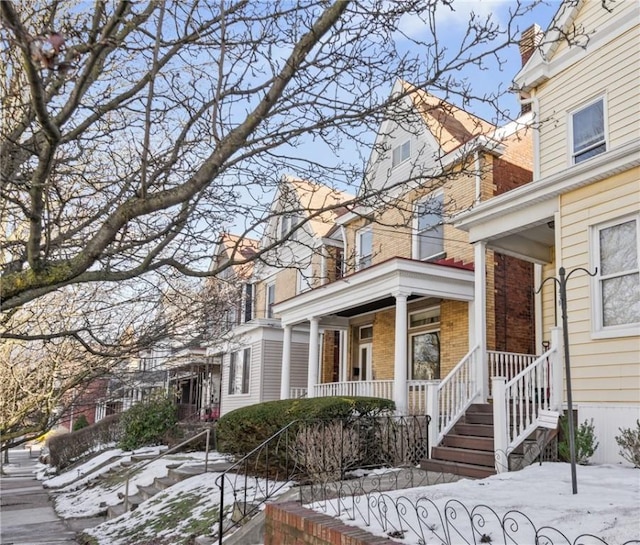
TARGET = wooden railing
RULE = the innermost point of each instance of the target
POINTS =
(295, 393)
(457, 392)
(369, 388)
(507, 364)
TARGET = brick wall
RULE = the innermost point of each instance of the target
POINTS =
(292, 524)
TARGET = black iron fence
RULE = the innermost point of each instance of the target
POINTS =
(316, 453)
(423, 521)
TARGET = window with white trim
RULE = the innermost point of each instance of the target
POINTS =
(305, 278)
(270, 299)
(239, 369)
(364, 250)
(400, 153)
(429, 227)
(287, 223)
(247, 298)
(616, 252)
(424, 341)
(588, 137)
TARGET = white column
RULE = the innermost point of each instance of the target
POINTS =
(343, 356)
(285, 373)
(537, 306)
(400, 366)
(314, 337)
(557, 368)
(500, 435)
(480, 308)
(433, 411)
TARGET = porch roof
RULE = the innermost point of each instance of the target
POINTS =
(378, 283)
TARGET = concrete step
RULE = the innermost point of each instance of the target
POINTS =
(457, 468)
(114, 511)
(162, 483)
(463, 455)
(468, 442)
(147, 491)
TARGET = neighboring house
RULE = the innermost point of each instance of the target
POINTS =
(406, 312)
(294, 257)
(582, 209)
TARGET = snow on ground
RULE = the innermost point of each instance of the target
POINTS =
(190, 507)
(607, 505)
(89, 496)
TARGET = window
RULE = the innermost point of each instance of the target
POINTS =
(364, 248)
(428, 227)
(305, 278)
(366, 333)
(248, 302)
(339, 264)
(270, 299)
(617, 302)
(401, 153)
(588, 134)
(424, 317)
(287, 223)
(239, 365)
(425, 356)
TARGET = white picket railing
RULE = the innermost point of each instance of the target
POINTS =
(369, 388)
(458, 391)
(529, 392)
(508, 364)
(295, 393)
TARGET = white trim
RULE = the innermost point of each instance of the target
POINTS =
(410, 351)
(359, 256)
(267, 288)
(415, 243)
(400, 147)
(571, 154)
(598, 329)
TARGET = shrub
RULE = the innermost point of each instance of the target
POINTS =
(66, 448)
(629, 443)
(585, 441)
(148, 423)
(81, 422)
(240, 431)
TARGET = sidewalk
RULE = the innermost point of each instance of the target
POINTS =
(26, 513)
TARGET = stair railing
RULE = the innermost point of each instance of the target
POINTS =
(457, 392)
(243, 477)
(518, 402)
(129, 473)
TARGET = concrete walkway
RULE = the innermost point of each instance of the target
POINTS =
(26, 512)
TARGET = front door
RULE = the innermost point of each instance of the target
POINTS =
(364, 362)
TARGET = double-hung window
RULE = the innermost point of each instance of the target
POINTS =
(400, 153)
(364, 248)
(428, 228)
(270, 299)
(239, 368)
(617, 282)
(247, 296)
(588, 136)
(305, 278)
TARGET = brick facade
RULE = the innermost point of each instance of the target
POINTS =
(292, 524)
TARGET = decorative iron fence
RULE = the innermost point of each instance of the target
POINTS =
(318, 452)
(423, 520)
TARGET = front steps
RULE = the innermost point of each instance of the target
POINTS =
(467, 450)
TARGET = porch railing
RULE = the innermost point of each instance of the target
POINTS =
(368, 388)
(295, 393)
(457, 392)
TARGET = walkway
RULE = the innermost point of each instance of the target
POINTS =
(26, 512)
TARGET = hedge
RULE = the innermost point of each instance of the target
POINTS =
(240, 431)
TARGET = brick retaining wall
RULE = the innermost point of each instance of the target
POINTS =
(292, 524)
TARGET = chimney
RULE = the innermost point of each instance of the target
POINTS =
(529, 40)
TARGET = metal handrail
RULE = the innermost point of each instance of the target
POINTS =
(207, 432)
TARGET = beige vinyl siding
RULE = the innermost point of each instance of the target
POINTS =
(610, 71)
(549, 298)
(299, 365)
(603, 370)
(271, 369)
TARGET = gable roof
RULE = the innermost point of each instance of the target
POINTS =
(451, 126)
(319, 202)
(235, 248)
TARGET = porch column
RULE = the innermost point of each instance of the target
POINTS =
(480, 318)
(400, 366)
(314, 337)
(285, 373)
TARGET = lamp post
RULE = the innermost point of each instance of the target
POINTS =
(561, 281)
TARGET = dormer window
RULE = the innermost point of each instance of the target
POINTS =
(401, 153)
(587, 131)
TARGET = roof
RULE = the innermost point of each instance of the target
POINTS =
(451, 126)
(320, 202)
(236, 248)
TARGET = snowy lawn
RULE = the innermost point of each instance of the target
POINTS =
(89, 496)
(607, 506)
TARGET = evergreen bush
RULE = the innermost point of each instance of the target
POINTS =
(629, 443)
(81, 422)
(147, 423)
(585, 441)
